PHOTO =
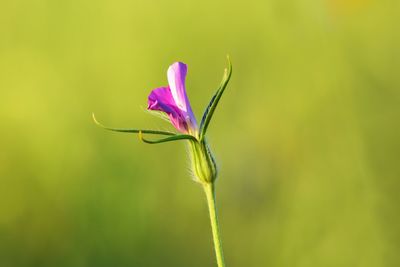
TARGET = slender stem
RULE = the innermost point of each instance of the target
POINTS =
(210, 193)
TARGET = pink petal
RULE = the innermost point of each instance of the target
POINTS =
(176, 79)
(161, 99)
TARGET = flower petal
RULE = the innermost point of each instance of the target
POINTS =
(176, 80)
(161, 99)
(174, 101)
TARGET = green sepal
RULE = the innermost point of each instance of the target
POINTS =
(208, 113)
(203, 164)
(168, 139)
(120, 130)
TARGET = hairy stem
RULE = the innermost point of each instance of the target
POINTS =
(210, 193)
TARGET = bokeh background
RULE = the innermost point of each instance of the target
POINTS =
(306, 135)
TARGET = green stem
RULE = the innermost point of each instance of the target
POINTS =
(210, 193)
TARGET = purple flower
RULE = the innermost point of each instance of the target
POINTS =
(173, 100)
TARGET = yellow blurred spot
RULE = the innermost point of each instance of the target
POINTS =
(347, 6)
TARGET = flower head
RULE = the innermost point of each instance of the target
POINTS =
(173, 100)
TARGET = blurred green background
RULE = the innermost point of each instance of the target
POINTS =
(306, 136)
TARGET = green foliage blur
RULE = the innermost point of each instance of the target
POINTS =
(307, 135)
